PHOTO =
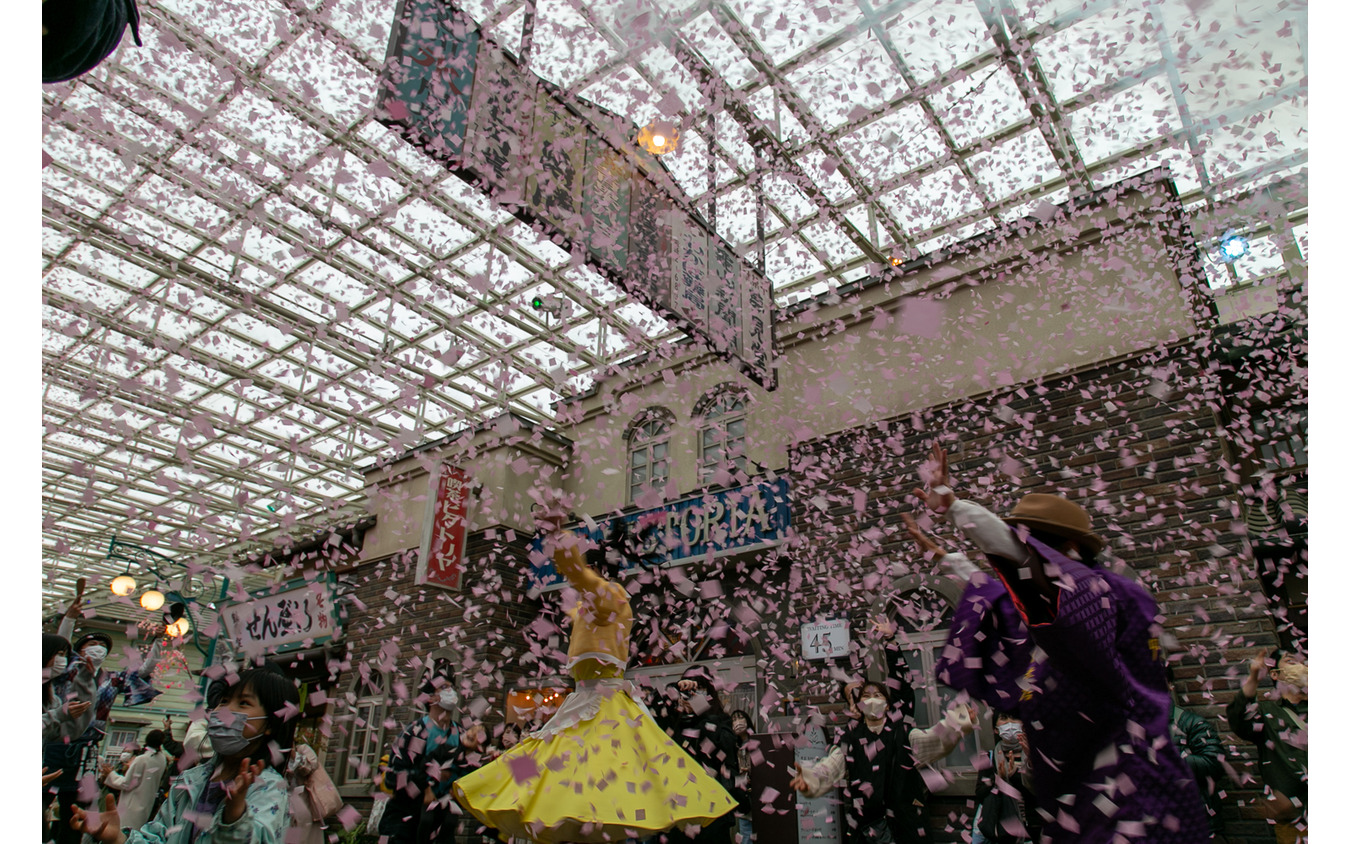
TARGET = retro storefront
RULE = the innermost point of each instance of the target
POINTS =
(779, 559)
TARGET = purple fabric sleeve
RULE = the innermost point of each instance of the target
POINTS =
(1093, 700)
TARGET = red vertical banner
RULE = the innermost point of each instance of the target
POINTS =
(445, 528)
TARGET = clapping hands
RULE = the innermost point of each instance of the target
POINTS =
(236, 790)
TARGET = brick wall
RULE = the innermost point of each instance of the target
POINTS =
(394, 625)
(1137, 442)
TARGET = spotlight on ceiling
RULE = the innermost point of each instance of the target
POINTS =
(659, 137)
(1233, 246)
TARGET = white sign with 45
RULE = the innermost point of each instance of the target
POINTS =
(825, 639)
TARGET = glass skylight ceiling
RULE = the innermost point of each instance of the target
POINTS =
(252, 290)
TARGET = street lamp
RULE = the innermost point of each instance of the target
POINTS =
(152, 599)
(176, 622)
(123, 585)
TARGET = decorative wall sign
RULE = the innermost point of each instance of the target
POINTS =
(711, 525)
(825, 639)
(301, 615)
(445, 529)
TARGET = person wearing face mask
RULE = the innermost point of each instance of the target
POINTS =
(139, 785)
(1201, 750)
(701, 726)
(426, 759)
(874, 761)
(66, 713)
(1072, 648)
(132, 684)
(241, 795)
(1278, 726)
(1005, 805)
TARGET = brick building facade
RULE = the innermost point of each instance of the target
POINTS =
(1141, 408)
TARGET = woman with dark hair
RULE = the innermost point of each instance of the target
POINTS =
(241, 794)
(876, 761)
(64, 716)
(1071, 649)
(600, 769)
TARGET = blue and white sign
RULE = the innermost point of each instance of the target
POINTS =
(711, 525)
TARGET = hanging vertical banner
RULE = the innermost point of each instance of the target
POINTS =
(689, 265)
(571, 168)
(724, 305)
(605, 206)
(553, 190)
(429, 72)
(445, 528)
(501, 126)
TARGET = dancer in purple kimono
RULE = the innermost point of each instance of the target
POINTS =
(1072, 650)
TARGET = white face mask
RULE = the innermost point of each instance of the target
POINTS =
(97, 653)
(448, 699)
(872, 707)
(1008, 732)
(58, 664)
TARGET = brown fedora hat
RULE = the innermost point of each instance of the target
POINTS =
(1057, 515)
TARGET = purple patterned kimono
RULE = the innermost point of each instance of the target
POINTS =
(1094, 704)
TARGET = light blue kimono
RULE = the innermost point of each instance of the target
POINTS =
(264, 821)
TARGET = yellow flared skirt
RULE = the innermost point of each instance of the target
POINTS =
(611, 777)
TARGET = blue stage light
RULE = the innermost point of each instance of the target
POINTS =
(1232, 247)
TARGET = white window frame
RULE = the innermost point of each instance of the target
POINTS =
(118, 736)
(364, 726)
(365, 740)
(920, 651)
(718, 412)
(643, 441)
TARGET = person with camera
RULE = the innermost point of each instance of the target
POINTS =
(700, 725)
(1005, 807)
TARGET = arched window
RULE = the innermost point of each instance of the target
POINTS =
(721, 439)
(649, 452)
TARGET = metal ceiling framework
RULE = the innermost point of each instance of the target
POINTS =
(252, 290)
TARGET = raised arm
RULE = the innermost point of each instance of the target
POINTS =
(151, 659)
(937, 741)
(67, 626)
(1035, 594)
(814, 780)
(570, 559)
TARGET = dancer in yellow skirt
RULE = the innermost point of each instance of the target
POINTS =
(600, 769)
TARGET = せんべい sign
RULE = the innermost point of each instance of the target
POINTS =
(292, 618)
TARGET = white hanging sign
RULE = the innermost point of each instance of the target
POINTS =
(825, 639)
